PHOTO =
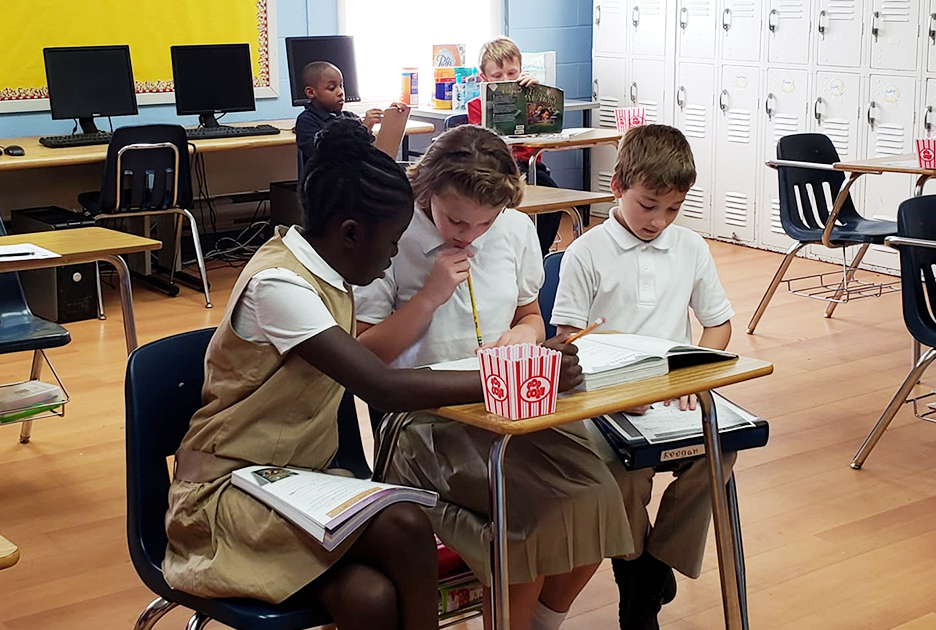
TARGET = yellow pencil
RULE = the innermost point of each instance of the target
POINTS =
(598, 322)
(474, 311)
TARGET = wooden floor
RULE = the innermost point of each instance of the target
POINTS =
(827, 547)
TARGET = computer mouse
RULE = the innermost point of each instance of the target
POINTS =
(14, 150)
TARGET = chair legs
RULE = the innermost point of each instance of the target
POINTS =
(153, 613)
(34, 372)
(197, 621)
(778, 277)
(848, 274)
(892, 408)
(198, 255)
(100, 294)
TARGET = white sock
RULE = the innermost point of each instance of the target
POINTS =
(544, 618)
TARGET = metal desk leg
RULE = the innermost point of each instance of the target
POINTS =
(500, 583)
(730, 564)
(920, 182)
(732, 493)
(126, 300)
(577, 224)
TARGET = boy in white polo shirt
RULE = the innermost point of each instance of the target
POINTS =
(643, 275)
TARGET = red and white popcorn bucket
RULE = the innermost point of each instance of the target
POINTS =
(520, 381)
(926, 152)
(627, 117)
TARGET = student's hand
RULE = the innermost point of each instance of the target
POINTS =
(521, 333)
(527, 79)
(685, 402)
(372, 117)
(570, 372)
(449, 271)
(400, 106)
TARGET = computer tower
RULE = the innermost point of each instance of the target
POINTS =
(60, 294)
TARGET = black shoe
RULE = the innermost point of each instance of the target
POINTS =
(644, 584)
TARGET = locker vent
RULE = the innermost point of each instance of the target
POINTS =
(838, 131)
(784, 125)
(790, 9)
(649, 7)
(739, 126)
(841, 10)
(696, 125)
(889, 140)
(896, 10)
(651, 113)
(698, 8)
(604, 181)
(612, 7)
(606, 107)
(743, 8)
(775, 226)
(694, 205)
(736, 209)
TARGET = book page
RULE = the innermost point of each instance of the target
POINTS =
(391, 130)
(664, 423)
(595, 356)
(25, 251)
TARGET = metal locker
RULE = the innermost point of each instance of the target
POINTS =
(788, 31)
(893, 34)
(838, 32)
(696, 24)
(608, 88)
(609, 27)
(648, 25)
(741, 30)
(695, 99)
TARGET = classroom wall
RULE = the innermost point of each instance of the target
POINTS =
(293, 18)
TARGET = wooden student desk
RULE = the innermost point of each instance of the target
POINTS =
(583, 405)
(586, 140)
(537, 199)
(88, 244)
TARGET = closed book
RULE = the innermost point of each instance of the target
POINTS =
(28, 394)
(459, 594)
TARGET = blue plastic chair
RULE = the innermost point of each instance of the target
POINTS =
(454, 120)
(21, 331)
(163, 391)
(547, 294)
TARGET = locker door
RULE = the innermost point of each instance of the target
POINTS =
(889, 117)
(697, 23)
(930, 35)
(838, 27)
(788, 31)
(735, 146)
(741, 28)
(608, 88)
(695, 105)
(834, 111)
(784, 113)
(893, 32)
(610, 27)
(646, 88)
(648, 21)
(928, 117)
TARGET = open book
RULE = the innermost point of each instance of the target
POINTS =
(328, 507)
(612, 359)
(511, 110)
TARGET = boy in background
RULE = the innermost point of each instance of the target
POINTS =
(501, 60)
(643, 275)
(324, 87)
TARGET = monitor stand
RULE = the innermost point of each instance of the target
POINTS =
(208, 120)
(88, 126)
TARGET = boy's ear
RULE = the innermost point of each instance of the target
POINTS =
(350, 233)
(309, 92)
(617, 188)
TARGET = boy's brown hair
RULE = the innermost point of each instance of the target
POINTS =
(472, 162)
(498, 51)
(656, 156)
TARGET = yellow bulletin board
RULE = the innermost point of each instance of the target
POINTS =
(150, 27)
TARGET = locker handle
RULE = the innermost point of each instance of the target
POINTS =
(726, 19)
(722, 105)
(635, 16)
(926, 119)
(595, 90)
(683, 18)
(871, 106)
(770, 110)
(821, 24)
(932, 27)
(874, 24)
(633, 92)
(681, 96)
(772, 18)
(597, 14)
(815, 109)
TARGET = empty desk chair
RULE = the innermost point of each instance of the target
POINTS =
(808, 183)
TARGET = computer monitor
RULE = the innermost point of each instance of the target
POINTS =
(89, 81)
(335, 49)
(212, 79)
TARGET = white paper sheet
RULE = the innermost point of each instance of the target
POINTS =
(25, 251)
(664, 423)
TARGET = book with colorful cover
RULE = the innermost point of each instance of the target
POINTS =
(510, 109)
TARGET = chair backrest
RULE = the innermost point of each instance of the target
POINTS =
(917, 274)
(13, 306)
(547, 294)
(455, 120)
(807, 195)
(148, 178)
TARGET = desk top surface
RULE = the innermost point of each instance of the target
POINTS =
(582, 405)
(427, 112)
(75, 246)
(545, 198)
(38, 156)
(904, 163)
(585, 139)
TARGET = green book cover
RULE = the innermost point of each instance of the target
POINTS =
(511, 110)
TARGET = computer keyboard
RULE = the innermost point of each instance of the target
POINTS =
(75, 140)
(204, 133)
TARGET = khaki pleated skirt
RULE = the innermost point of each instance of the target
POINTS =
(564, 508)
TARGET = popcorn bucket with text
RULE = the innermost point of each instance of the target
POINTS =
(520, 381)
(627, 117)
(926, 152)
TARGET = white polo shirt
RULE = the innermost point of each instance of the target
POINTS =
(278, 307)
(506, 273)
(640, 287)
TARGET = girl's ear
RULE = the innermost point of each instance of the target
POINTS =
(350, 233)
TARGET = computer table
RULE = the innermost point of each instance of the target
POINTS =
(583, 405)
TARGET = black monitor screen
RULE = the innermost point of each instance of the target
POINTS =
(335, 49)
(214, 78)
(90, 81)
